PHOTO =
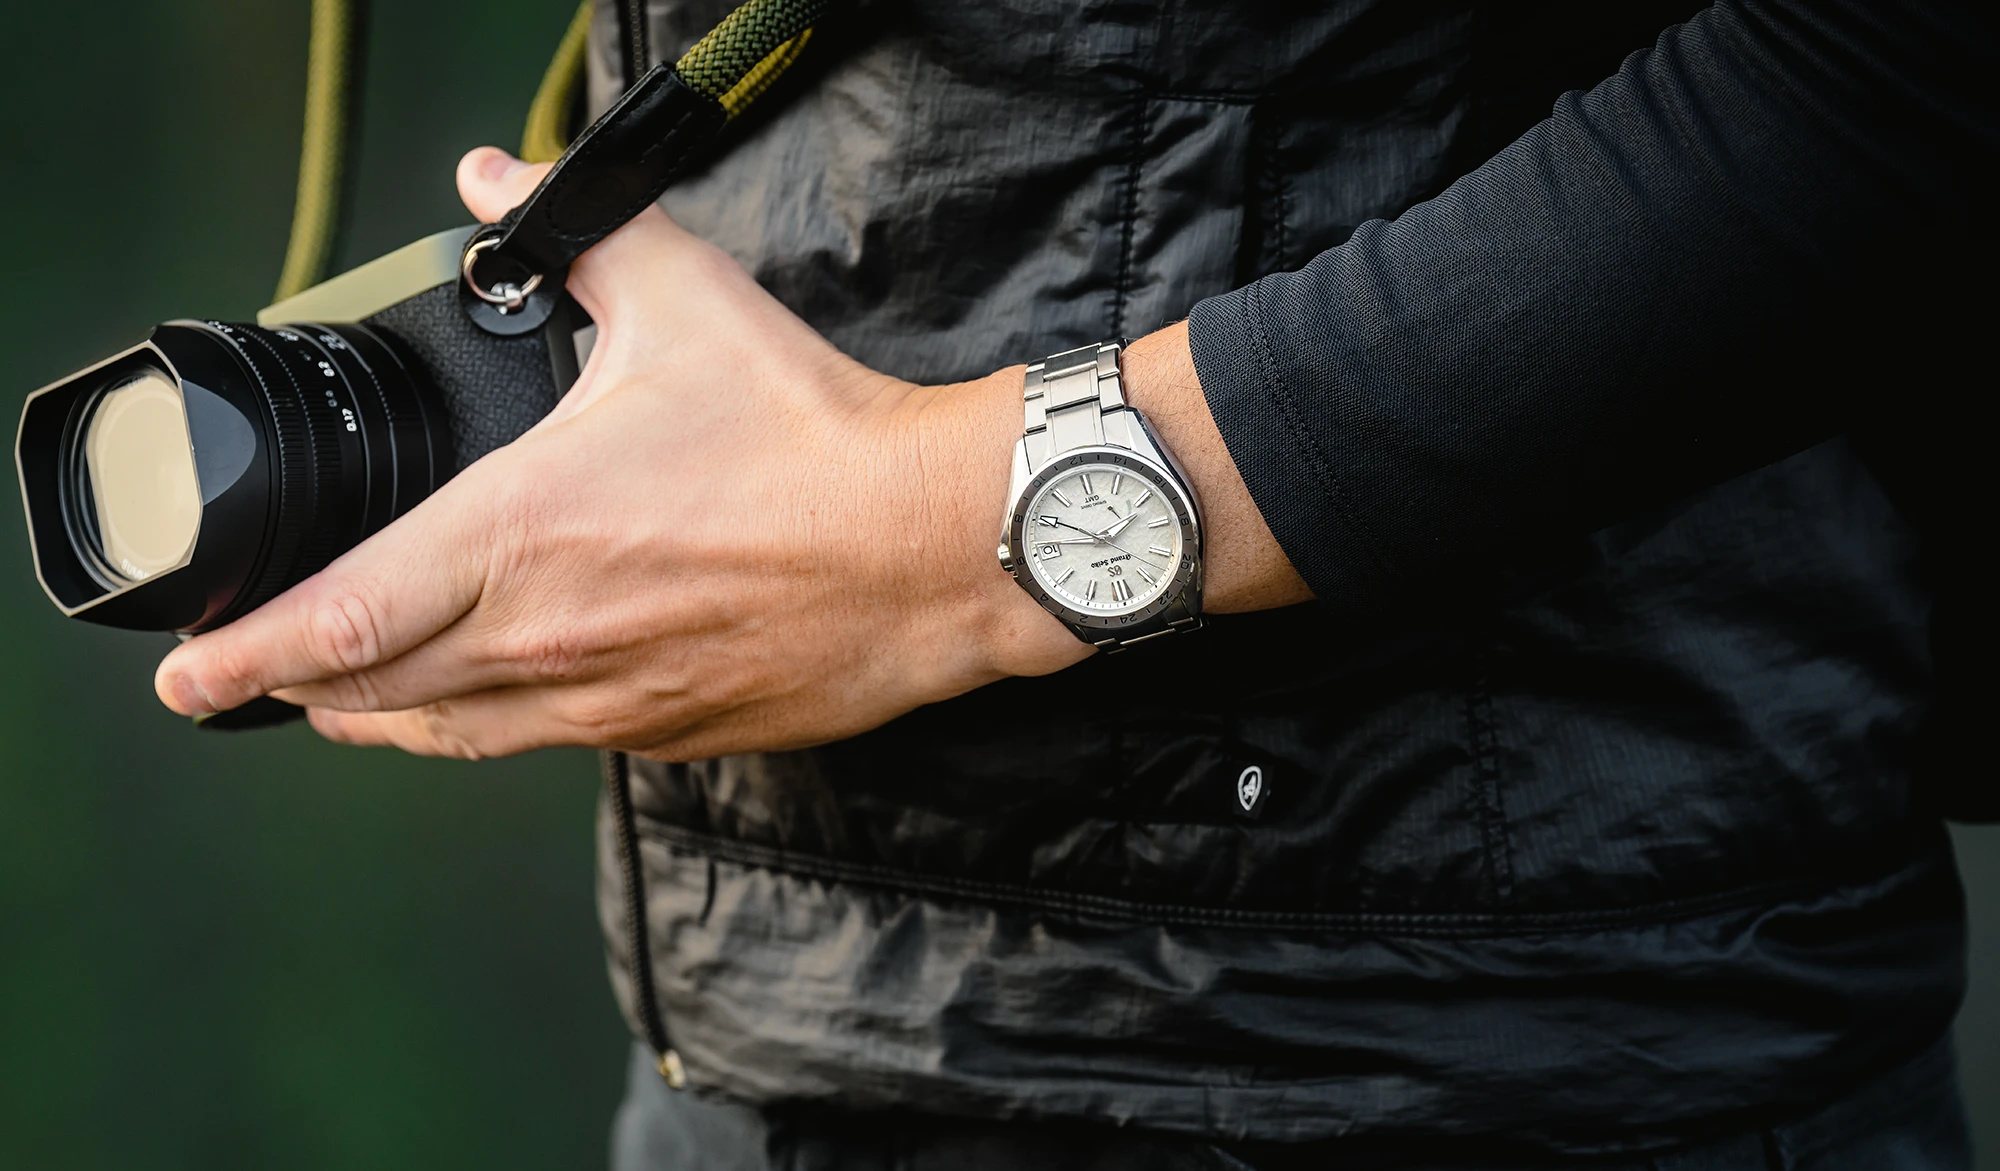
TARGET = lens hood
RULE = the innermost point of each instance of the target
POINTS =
(300, 436)
(232, 462)
(303, 440)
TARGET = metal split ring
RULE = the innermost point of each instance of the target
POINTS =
(507, 295)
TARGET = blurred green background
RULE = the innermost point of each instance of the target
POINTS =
(264, 951)
(260, 951)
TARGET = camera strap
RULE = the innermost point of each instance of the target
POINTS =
(514, 269)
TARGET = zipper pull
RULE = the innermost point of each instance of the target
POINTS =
(672, 1070)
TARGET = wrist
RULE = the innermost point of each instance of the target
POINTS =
(967, 433)
(1245, 567)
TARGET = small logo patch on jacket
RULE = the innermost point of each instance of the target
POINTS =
(1250, 790)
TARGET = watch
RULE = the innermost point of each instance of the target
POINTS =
(1102, 527)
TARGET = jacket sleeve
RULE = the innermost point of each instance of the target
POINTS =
(1706, 262)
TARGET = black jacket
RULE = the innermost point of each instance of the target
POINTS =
(1577, 837)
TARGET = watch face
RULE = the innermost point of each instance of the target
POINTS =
(1104, 536)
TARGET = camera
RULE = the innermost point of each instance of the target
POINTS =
(186, 481)
(183, 483)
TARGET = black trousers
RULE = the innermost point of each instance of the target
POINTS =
(1909, 1120)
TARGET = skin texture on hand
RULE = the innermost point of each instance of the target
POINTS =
(728, 537)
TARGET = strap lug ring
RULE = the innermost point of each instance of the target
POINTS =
(509, 297)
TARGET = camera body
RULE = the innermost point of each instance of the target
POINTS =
(492, 386)
(191, 478)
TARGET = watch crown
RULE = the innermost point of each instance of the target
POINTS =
(1006, 558)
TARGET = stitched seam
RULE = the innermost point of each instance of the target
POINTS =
(1484, 734)
(547, 207)
(1281, 183)
(1467, 924)
(1303, 438)
(1128, 217)
(1215, 98)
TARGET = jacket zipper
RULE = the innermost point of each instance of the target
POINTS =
(618, 786)
(636, 54)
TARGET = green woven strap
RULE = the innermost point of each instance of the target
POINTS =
(337, 30)
(758, 32)
(734, 64)
(553, 114)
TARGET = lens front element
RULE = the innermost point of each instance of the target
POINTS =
(139, 464)
(198, 475)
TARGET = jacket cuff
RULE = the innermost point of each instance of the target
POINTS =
(1249, 375)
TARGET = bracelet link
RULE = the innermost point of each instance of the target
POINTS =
(1068, 395)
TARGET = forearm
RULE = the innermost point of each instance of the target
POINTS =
(792, 549)
(1679, 276)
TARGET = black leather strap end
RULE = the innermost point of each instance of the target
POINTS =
(612, 172)
(262, 712)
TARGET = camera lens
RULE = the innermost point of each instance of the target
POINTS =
(197, 476)
(138, 471)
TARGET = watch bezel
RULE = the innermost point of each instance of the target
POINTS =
(1163, 479)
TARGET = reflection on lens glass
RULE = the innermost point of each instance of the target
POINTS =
(142, 475)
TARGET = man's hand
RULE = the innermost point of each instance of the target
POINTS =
(727, 537)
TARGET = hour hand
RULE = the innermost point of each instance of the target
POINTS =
(1117, 528)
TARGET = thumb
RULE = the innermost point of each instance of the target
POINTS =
(493, 182)
(381, 598)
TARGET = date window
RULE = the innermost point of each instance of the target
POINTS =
(1047, 551)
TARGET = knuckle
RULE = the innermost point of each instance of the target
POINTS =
(603, 720)
(345, 632)
(358, 692)
(329, 725)
(444, 733)
(229, 675)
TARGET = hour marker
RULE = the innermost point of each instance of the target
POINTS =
(1120, 591)
(1084, 479)
(1057, 493)
(1066, 575)
(1157, 524)
(1156, 551)
(1117, 482)
(1150, 579)
(1143, 497)
(1090, 589)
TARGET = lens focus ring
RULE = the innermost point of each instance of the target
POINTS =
(319, 512)
(293, 474)
(320, 400)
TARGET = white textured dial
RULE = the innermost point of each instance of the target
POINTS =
(1102, 539)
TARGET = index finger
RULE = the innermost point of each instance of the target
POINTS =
(385, 596)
